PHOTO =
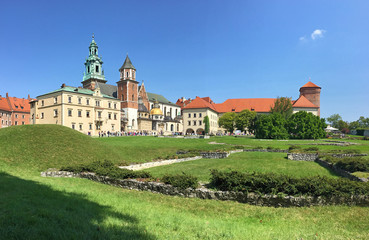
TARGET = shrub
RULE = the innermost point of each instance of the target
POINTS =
(351, 151)
(294, 147)
(182, 181)
(353, 164)
(312, 149)
(107, 168)
(259, 147)
(270, 183)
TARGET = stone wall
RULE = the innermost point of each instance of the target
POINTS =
(215, 154)
(340, 171)
(302, 156)
(265, 150)
(344, 155)
(203, 193)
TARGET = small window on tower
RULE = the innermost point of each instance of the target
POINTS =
(133, 97)
(127, 74)
(97, 68)
(88, 69)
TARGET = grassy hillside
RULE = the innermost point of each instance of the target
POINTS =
(44, 146)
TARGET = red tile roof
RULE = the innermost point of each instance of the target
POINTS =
(19, 104)
(200, 103)
(304, 102)
(252, 104)
(4, 105)
(310, 84)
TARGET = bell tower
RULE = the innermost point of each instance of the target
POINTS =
(312, 92)
(93, 67)
(128, 93)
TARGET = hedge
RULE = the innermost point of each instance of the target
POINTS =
(270, 183)
(351, 164)
(182, 181)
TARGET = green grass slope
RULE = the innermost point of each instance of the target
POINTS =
(51, 146)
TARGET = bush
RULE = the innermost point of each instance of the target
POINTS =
(270, 183)
(294, 147)
(107, 168)
(182, 181)
(351, 151)
(353, 164)
(311, 149)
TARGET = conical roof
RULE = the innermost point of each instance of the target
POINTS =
(127, 64)
(310, 85)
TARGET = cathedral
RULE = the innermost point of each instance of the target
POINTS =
(138, 109)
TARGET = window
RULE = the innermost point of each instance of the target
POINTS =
(122, 97)
(97, 67)
(176, 112)
(42, 115)
(194, 115)
(88, 70)
(109, 105)
(98, 103)
(115, 106)
(69, 112)
(55, 113)
(15, 123)
(115, 116)
(200, 122)
(112, 127)
(80, 126)
(69, 99)
(99, 114)
(194, 122)
(23, 116)
(55, 100)
(133, 97)
(87, 101)
(88, 114)
(127, 74)
(73, 126)
(79, 100)
(165, 111)
(42, 103)
(189, 115)
(22, 123)
(133, 87)
(79, 113)
(200, 114)
(109, 115)
(189, 123)
(16, 115)
(90, 126)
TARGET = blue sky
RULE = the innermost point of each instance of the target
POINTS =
(221, 49)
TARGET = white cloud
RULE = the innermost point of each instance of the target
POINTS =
(318, 33)
(302, 38)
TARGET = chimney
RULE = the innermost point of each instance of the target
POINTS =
(7, 95)
(29, 97)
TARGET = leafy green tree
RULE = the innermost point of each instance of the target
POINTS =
(363, 122)
(244, 119)
(227, 121)
(342, 124)
(207, 124)
(271, 126)
(282, 105)
(333, 120)
(354, 125)
(304, 125)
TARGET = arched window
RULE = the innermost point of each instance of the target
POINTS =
(97, 69)
(122, 97)
(171, 127)
(133, 97)
(95, 51)
(133, 122)
(88, 69)
(127, 74)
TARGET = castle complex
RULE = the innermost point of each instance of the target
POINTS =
(126, 106)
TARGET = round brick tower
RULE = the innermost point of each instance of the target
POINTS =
(312, 93)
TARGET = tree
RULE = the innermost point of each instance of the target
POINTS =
(227, 121)
(207, 124)
(244, 119)
(271, 126)
(282, 105)
(304, 125)
(333, 120)
(342, 124)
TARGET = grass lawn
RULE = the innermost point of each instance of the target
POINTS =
(35, 207)
(244, 162)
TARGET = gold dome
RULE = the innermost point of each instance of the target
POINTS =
(156, 111)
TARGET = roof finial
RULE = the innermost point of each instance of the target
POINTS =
(93, 36)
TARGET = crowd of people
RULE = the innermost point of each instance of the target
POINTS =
(131, 133)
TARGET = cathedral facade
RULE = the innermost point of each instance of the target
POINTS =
(98, 106)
